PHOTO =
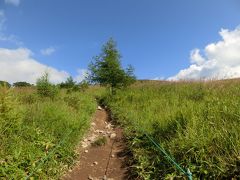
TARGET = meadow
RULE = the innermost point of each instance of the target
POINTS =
(39, 135)
(197, 123)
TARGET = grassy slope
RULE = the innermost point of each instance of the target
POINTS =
(197, 123)
(31, 128)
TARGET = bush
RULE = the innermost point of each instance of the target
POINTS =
(45, 88)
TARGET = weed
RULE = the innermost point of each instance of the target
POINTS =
(100, 141)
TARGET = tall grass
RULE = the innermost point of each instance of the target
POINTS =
(196, 122)
(35, 128)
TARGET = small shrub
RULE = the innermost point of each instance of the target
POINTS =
(101, 141)
(45, 88)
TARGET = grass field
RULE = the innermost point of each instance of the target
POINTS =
(39, 134)
(196, 122)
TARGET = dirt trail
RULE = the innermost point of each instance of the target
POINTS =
(101, 162)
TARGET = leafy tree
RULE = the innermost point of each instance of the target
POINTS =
(69, 83)
(106, 68)
(5, 84)
(21, 84)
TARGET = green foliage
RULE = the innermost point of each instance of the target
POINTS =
(10, 116)
(21, 84)
(106, 68)
(32, 130)
(197, 123)
(83, 86)
(45, 88)
(101, 141)
(69, 83)
(5, 84)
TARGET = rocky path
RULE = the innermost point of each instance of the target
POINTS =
(101, 162)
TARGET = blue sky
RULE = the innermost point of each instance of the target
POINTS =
(155, 36)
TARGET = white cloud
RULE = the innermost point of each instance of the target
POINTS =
(13, 2)
(18, 65)
(5, 37)
(82, 74)
(220, 60)
(158, 78)
(48, 51)
(11, 39)
(2, 19)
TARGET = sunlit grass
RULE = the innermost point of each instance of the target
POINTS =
(38, 127)
(196, 122)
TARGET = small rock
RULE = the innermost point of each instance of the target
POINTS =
(86, 151)
(93, 124)
(95, 163)
(99, 108)
(90, 177)
(84, 145)
(112, 155)
(108, 126)
(91, 138)
(113, 135)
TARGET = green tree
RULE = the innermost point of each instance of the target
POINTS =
(5, 84)
(69, 83)
(21, 84)
(106, 68)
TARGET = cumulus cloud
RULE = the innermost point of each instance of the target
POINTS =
(48, 51)
(19, 65)
(220, 60)
(82, 74)
(13, 2)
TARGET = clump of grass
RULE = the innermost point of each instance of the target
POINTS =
(100, 141)
(195, 122)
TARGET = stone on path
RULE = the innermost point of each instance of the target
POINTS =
(113, 135)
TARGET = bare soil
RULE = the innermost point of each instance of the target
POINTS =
(101, 162)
